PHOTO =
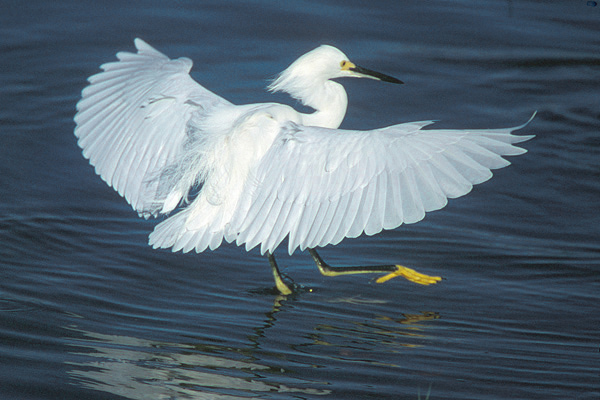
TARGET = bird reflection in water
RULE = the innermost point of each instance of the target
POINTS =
(137, 368)
(142, 369)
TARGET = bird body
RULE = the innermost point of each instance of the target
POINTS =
(226, 159)
(256, 174)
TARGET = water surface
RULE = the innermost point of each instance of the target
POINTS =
(89, 311)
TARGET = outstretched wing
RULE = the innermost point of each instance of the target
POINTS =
(319, 185)
(132, 124)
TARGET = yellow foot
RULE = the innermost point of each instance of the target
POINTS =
(282, 287)
(411, 275)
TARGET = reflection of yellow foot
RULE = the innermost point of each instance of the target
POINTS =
(411, 275)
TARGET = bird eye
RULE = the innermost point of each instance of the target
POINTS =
(346, 65)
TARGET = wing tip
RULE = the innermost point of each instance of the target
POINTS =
(141, 45)
(525, 124)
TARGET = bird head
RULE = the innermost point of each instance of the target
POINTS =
(319, 65)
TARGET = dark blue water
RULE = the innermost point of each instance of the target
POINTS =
(89, 311)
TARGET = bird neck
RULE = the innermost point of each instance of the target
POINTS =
(329, 99)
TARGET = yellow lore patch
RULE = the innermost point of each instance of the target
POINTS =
(347, 65)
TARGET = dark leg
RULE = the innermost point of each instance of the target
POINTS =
(391, 270)
(281, 286)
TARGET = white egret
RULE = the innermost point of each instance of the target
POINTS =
(256, 174)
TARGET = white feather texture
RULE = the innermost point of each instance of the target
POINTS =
(132, 124)
(330, 184)
(260, 173)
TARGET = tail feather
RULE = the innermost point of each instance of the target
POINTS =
(174, 233)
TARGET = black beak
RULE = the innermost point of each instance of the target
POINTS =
(375, 75)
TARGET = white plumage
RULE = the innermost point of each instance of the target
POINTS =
(259, 173)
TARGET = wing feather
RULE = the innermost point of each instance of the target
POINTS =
(320, 234)
(394, 216)
(331, 236)
(332, 184)
(351, 214)
(132, 121)
(269, 220)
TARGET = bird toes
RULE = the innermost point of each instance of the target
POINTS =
(411, 275)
